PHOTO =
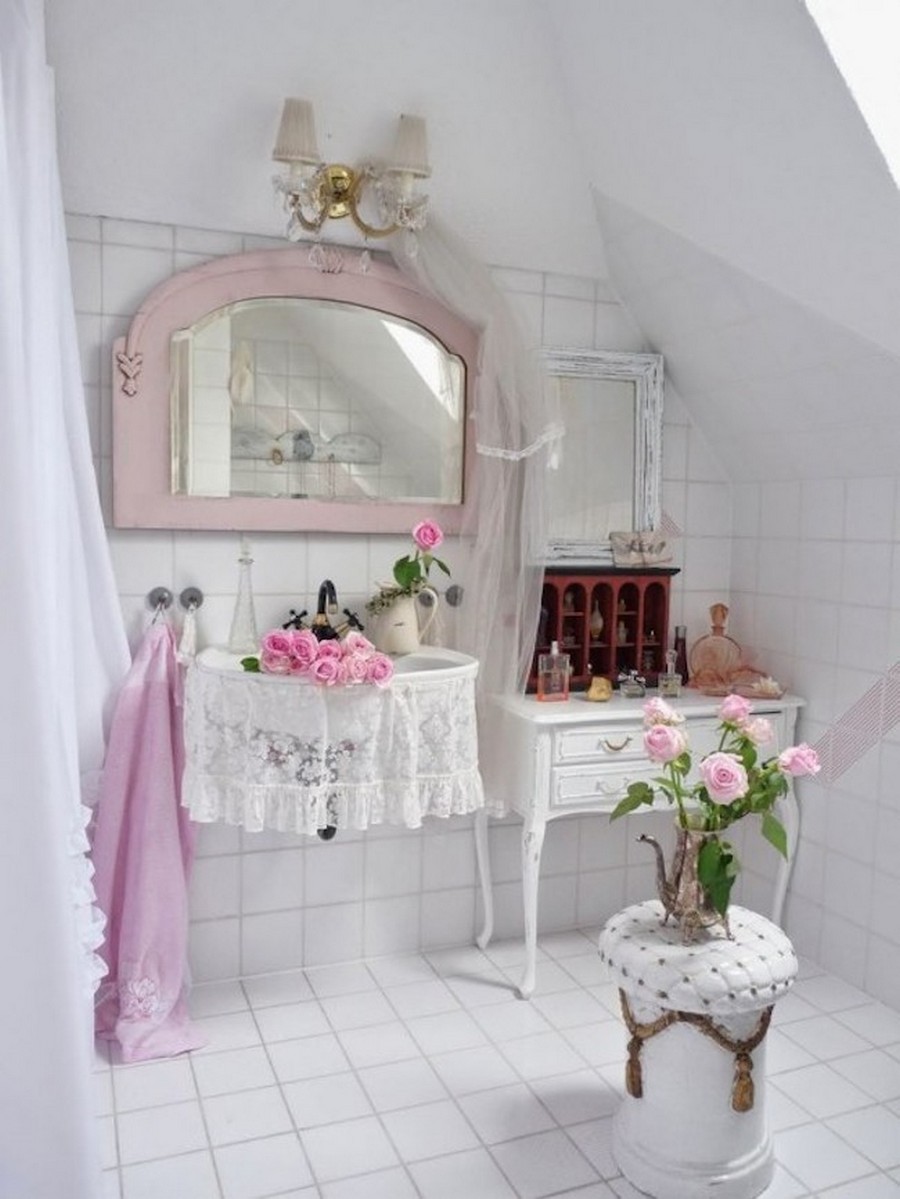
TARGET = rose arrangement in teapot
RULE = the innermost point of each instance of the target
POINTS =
(734, 782)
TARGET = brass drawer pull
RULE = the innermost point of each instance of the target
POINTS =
(607, 744)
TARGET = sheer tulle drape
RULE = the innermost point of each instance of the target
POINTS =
(62, 649)
(515, 427)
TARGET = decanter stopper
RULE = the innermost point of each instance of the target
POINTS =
(243, 638)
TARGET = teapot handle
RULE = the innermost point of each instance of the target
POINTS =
(433, 609)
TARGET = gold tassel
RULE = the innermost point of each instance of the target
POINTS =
(742, 1088)
(633, 1081)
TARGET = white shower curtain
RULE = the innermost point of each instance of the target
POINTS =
(62, 652)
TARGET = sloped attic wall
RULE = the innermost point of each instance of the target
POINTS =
(727, 123)
(781, 391)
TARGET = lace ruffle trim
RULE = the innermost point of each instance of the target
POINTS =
(306, 810)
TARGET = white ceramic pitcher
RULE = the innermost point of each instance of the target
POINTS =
(398, 630)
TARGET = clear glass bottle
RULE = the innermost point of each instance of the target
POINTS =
(553, 675)
(243, 638)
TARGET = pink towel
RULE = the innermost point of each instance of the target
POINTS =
(143, 847)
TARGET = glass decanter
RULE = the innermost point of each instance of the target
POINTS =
(243, 638)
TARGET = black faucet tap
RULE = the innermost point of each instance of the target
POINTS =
(321, 625)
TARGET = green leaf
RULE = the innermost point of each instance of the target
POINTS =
(774, 833)
(636, 795)
(747, 754)
(406, 572)
(717, 868)
(443, 565)
(251, 665)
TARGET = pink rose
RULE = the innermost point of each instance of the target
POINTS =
(355, 668)
(355, 643)
(304, 649)
(278, 641)
(735, 709)
(724, 776)
(663, 742)
(758, 730)
(657, 711)
(427, 535)
(331, 649)
(343, 676)
(274, 663)
(380, 670)
(799, 759)
(326, 670)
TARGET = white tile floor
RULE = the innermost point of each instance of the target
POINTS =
(423, 1077)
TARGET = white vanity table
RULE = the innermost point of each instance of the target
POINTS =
(546, 760)
(269, 751)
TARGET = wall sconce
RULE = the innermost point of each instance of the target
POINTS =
(315, 191)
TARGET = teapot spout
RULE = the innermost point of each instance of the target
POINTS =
(662, 884)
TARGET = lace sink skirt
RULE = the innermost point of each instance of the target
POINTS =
(263, 751)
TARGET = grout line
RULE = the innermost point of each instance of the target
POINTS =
(280, 1085)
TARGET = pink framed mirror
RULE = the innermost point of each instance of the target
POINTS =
(256, 392)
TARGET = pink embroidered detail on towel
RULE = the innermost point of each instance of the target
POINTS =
(143, 849)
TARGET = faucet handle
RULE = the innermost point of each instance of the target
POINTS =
(295, 620)
(353, 621)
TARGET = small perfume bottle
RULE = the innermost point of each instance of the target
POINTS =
(670, 680)
(553, 674)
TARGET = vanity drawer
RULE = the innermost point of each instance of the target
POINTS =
(598, 786)
(600, 743)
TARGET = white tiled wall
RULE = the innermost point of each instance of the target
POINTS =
(818, 577)
(269, 901)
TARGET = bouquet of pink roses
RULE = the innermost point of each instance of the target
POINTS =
(299, 652)
(733, 782)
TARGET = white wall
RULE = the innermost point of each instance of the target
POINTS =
(169, 111)
(816, 571)
(268, 901)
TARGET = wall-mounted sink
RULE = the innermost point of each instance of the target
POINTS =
(432, 663)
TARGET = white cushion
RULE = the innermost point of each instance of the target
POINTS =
(712, 975)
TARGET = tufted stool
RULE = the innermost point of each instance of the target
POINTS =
(693, 1120)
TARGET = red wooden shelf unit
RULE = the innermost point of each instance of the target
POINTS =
(607, 620)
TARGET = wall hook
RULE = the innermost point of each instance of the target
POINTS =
(191, 597)
(160, 598)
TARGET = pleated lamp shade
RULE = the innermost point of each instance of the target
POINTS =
(296, 140)
(410, 153)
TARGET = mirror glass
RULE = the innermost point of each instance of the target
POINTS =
(303, 398)
(608, 478)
